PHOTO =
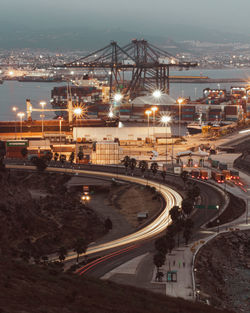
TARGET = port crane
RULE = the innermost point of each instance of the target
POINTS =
(134, 69)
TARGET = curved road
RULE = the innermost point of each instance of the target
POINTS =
(171, 197)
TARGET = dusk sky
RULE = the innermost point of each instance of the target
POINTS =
(141, 15)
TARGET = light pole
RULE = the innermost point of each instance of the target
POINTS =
(180, 100)
(21, 115)
(14, 109)
(42, 103)
(154, 109)
(60, 131)
(165, 119)
(148, 113)
(77, 112)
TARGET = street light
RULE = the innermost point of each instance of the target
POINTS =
(154, 109)
(77, 112)
(14, 109)
(165, 119)
(148, 113)
(21, 115)
(42, 103)
(180, 101)
(118, 97)
(157, 94)
(60, 118)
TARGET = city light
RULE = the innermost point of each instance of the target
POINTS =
(14, 109)
(78, 111)
(165, 119)
(157, 94)
(118, 97)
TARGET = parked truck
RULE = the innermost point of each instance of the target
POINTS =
(234, 174)
(203, 175)
(218, 177)
(195, 174)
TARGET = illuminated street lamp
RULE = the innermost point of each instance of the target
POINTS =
(180, 101)
(148, 113)
(111, 113)
(14, 109)
(165, 119)
(154, 109)
(157, 94)
(42, 103)
(77, 112)
(60, 118)
(118, 97)
(21, 115)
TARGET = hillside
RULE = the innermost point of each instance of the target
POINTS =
(38, 215)
(29, 288)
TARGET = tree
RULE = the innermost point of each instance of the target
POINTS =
(175, 213)
(193, 192)
(49, 156)
(154, 168)
(170, 242)
(62, 252)
(126, 162)
(132, 165)
(187, 206)
(40, 164)
(184, 176)
(72, 157)
(143, 165)
(163, 175)
(80, 247)
(56, 156)
(62, 158)
(161, 245)
(108, 224)
(187, 233)
(159, 260)
(24, 152)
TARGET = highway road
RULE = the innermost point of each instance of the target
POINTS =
(139, 242)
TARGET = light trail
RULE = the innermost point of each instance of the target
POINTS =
(171, 197)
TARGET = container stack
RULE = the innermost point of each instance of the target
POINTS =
(106, 152)
(231, 112)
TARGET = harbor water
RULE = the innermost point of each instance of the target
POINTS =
(14, 93)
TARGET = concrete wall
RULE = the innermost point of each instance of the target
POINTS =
(123, 133)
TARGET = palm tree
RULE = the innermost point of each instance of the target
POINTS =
(62, 252)
(126, 162)
(71, 157)
(175, 213)
(143, 165)
(154, 168)
(159, 260)
(184, 175)
(161, 245)
(170, 242)
(163, 175)
(80, 247)
(187, 206)
(132, 165)
(24, 152)
(56, 156)
(187, 233)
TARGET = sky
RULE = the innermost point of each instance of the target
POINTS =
(151, 16)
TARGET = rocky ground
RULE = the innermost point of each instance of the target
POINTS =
(223, 271)
(38, 226)
(130, 200)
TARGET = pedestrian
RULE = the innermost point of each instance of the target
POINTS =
(179, 264)
(183, 264)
